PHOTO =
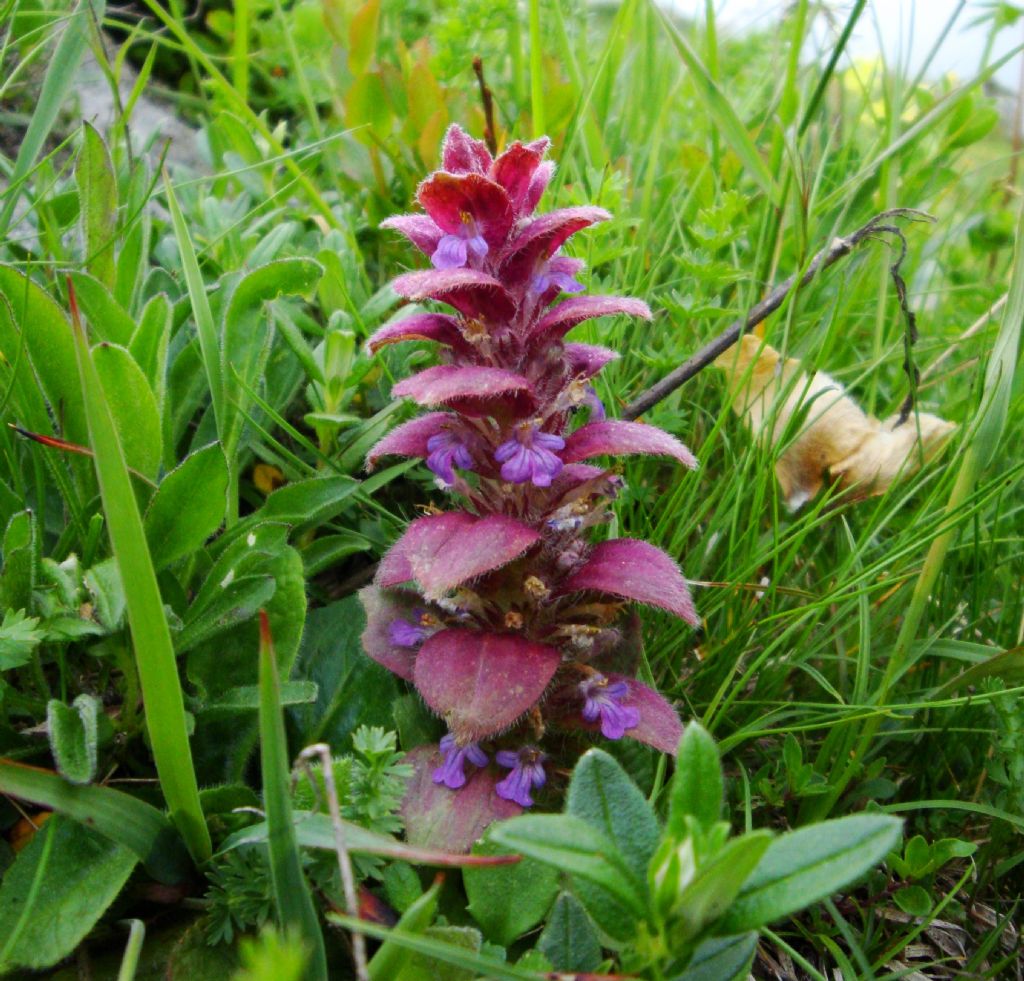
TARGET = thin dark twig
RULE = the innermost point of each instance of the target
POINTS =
(488, 102)
(828, 256)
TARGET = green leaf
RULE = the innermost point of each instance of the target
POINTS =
(570, 939)
(73, 737)
(292, 898)
(107, 319)
(573, 845)
(368, 111)
(56, 891)
(132, 406)
(1008, 665)
(188, 507)
(391, 957)
(458, 956)
(913, 900)
(314, 830)
(718, 881)
(18, 575)
(721, 959)
(48, 341)
(353, 690)
(18, 639)
(362, 34)
(508, 900)
(148, 345)
(602, 794)
(246, 697)
(154, 654)
(696, 787)
(97, 208)
(61, 70)
(806, 865)
(721, 111)
(107, 593)
(138, 826)
(246, 334)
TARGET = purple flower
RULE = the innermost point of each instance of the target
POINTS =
(450, 773)
(530, 456)
(593, 402)
(406, 634)
(527, 766)
(553, 273)
(445, 449)
(603, 702)
(453, 250)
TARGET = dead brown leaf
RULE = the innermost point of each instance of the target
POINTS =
(836, 440)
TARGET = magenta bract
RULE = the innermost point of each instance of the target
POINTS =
(523, 625)
(482, 683)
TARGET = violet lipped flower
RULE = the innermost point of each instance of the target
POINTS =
(603, 702)
(406, 634)
(451, 772)
(593, 402)
(548, 274)
(445, 452)
(454, 249)
(527, 766)
(530, 456)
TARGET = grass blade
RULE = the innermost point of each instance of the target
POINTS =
(151, 636)
(131, 822)
(60, 76)
(292, 898)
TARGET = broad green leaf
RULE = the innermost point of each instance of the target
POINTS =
(368, 112)
(188, 506)
(602, 794)
(154, 654)
(18, 575)
(148, 345)
(718, 881)
(570, 939)
(56, 891)
(106, 592)
(107, 319)
(292, 899)
(721, 959)
(328, 550)
(806, 865)
(362, 34)
(247, 697)
(73, 737)
(696, 787)
(573, 845)
(17, 379)
(353, 690)
(132, 405)
(238, 601)
(913, 900)
(508, 900)
(97, 209)
(50, 347)
(138, 826)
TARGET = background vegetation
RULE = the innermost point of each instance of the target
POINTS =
(855, 655)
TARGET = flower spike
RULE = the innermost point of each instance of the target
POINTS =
(510, 622)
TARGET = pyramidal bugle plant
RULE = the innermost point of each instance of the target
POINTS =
(510, 620)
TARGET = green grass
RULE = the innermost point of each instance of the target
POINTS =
(832, 637)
